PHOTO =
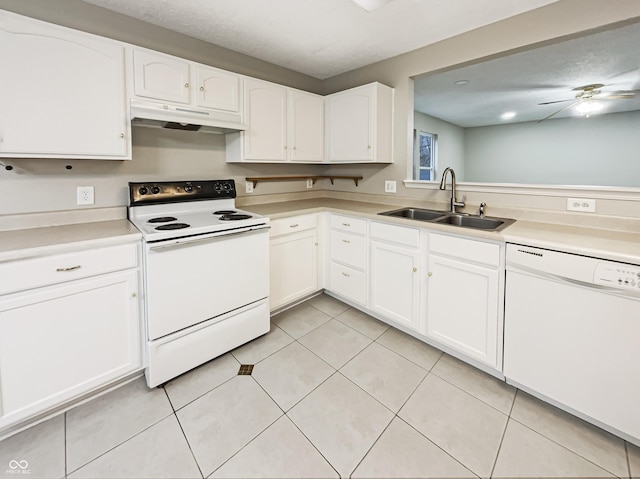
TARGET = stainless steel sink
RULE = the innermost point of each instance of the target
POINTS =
(415, 214)
(445, 217)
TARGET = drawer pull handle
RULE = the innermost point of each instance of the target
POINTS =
(294, 225)
(71, 268)
(346, 224)
(346, 241)
(346, 274)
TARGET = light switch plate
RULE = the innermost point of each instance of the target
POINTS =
(389, 186)
(586, 205)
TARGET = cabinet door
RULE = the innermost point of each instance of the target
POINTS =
(266, 115)
(61, 341)
(161, 77)
(62, 92)
(462, 308)
(294, 267)
(395, 283)
(217, 89)
(349, 126)
(306, 127)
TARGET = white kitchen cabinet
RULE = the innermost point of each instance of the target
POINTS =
(348, 253)
(359, 125)
(283, 125)
(62, 93)
(76, 335)
(172, 79)
(294, 259)
(395, 273)
(464, 297)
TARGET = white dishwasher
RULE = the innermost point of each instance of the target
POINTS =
(572, 334)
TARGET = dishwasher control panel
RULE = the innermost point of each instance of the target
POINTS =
(618, 275)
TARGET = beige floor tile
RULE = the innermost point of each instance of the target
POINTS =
(385, 375)
(193, 384)
(37, 452)
(328, 304)
(335, 342)
(402, 452)
(158, 452)
(258, 349)
(291, 374)
(525, 453)
(491, 390)
(107, 421)
(281, 451)
(411, 348)
(223, 421)
(463, 426)
(363, 323)
(586, 440)
(634, 460)
(300, 320)
(341, 421)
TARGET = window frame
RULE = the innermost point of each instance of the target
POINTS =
(417, 169)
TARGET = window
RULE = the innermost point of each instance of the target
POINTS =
(425, 154)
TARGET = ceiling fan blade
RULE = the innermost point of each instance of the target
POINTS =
(558, 111)
(618, 97)
(557, 101)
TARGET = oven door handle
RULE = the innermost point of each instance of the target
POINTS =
(214, 236)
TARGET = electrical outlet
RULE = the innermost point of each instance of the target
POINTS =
(389, 186)
(85, 195)
(248, 186)
(585, 205)
(309, 183)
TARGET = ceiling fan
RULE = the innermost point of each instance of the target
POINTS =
(587, 99)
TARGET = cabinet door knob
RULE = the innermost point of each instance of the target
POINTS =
(415, 269)
(186, 85)
(430, 274)
(134, 295)
(201, 88)
(121, 135)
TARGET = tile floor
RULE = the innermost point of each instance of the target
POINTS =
(334, 393)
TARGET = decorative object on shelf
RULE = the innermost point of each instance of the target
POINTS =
(313, 178)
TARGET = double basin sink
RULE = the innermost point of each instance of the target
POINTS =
(455, 219)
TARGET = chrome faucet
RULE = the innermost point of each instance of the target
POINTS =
(483, 205)
(443, 185)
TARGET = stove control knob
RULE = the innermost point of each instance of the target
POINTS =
(217, 186)
(143, 190)
(226, 187)
(155, 190)
(188, 188)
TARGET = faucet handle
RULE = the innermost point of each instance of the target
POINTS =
(481, 209)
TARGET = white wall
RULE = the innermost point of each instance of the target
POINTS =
(451, 145)
(600, 150)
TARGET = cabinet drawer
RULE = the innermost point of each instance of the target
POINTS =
(349, 249)
(395, 234)
(348, 282)
(31, 273)
(293, 224)
(348, 223)
(467, 249)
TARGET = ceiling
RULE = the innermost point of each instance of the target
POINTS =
(321, 38)
(521, 81)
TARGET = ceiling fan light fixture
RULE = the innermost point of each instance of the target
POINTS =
(587, 107)
(371, 5)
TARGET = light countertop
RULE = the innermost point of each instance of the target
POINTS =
(596, 242)
(33, 242)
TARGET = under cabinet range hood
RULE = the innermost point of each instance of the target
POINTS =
(162, 115)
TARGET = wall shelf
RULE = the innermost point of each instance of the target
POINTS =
(256, 179)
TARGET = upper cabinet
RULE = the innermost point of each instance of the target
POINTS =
(359, 125)
(62, 93)
(167, 78)
(283, 125)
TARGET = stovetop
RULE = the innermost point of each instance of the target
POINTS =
(167, 210)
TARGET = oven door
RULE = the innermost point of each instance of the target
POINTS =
(192, 280)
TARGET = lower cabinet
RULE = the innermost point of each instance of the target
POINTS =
(64, 340)
(294, 258)
(395, 273)
(464, 297)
